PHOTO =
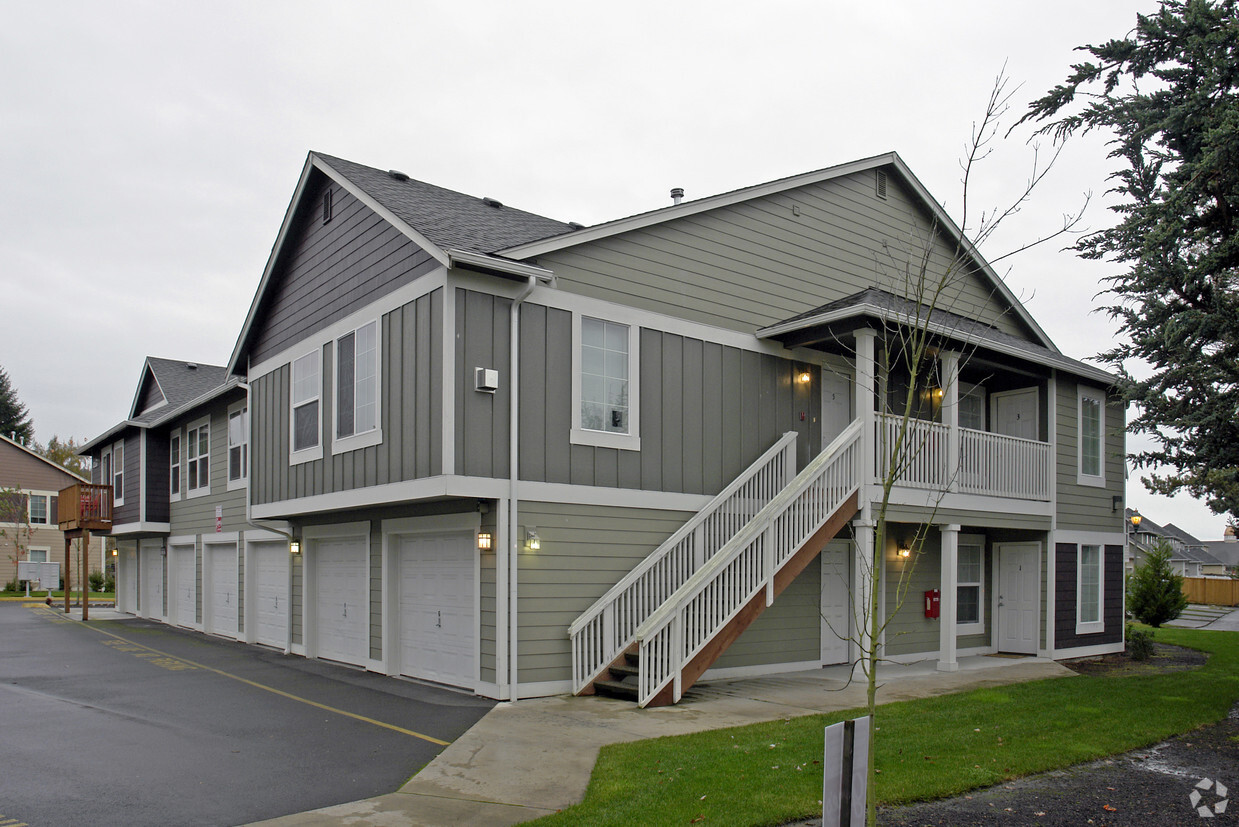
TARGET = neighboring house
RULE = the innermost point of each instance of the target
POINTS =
(497, 451)
(39, 481)
(1189, 556)
(1226, 549)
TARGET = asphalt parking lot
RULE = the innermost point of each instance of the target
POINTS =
(138, 723)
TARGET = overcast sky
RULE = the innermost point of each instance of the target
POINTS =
(150, 149)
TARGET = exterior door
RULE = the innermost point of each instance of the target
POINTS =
(340, 600)
(1019, 598)
(836, 607)
(224, 603)
(269, 592)
(152, 560)
(836, 404)
(437, 640)
(1015, 413)
(183, 588)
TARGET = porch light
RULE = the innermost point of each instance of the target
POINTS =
(114, 552)
(294, 546)
(905, 552)
(804, 377)
(485, 540)
(532, 540)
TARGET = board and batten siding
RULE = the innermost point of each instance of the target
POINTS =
(1087, 507)
(157, 477)
(410, 415)
(761, 261)
(707, 411)
(328, 271)
(1066, 590)
(482, 417)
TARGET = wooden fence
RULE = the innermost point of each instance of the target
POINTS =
(1211, 592)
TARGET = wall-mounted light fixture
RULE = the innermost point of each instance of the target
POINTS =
(294, 546)
(115, 552)
(905, 551)
(1115, 501)
(804, 377)
(485, 540)
(532, 541)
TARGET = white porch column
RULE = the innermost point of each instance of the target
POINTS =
(866, 375)
(946, 616)
(950, 415)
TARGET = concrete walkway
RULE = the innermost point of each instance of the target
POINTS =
(1216, 618)
(529, 758)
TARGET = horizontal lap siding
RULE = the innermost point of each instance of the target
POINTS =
(908, 630)
(790, 631)
(1086, 507)
(1066, 557)
(585, 550)
(331, 270)
(755, 263)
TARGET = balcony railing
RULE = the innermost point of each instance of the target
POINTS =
(85, 506)
(992, 464)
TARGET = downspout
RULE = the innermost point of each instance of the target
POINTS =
(513, 540)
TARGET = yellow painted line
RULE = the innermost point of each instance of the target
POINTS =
(279, 692)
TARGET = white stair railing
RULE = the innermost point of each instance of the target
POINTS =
(605, 629)
(673, 635)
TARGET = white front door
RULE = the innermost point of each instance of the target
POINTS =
(152, 578)
(183, 588)
(836, 404)
(1019, 597)
(437, 640)
(340, 604)
(836, 606)
(127, 563)
(224, 603)
(1015, 413)
(269, 592)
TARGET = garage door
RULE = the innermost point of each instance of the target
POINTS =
(340, 604)
(437, 608)
(224, 602)
(269, 592)
(183, 586)
(152, 580)
(127, 562)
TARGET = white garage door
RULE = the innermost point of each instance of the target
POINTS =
(224, 602)
(437, 608)
(152, 580)
(341, 624)
(269, 592)
(127, 562)
(183, 588)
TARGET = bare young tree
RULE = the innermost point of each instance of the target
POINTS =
(15, 529)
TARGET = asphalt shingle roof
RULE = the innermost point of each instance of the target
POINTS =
(181, 383)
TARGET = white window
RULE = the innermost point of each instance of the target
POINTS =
(38, 555)
(174, 462)
(198, 458)
(970, 586)
(357, 389)
(1092, 437)
(1089, 599)
(971, 406)
(39, 514)
(238, 446)
(605, 384)
(118, 474)
(105, 467)
(306, 423)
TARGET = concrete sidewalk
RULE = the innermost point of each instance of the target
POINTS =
(529, 758)
(1215, 618)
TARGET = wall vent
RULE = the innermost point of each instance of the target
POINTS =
(327, 206)
(880, 184)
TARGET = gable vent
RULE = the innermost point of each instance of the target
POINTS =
(880, 184)
(398, 175)
(491, 202)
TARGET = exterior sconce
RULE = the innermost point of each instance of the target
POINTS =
(804, 377)
(532, 540)
(294, 546)
(115, 552)
(485, 540)
(905, 552)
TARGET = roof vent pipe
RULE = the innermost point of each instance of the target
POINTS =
(677, 195)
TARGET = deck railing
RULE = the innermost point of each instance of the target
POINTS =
(674, 634)
(605, 629)
(85, 506)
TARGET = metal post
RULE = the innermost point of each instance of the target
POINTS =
(68, 573)
(84, 558)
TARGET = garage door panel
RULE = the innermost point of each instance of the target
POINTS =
(341, 618)
(152, 581)
(437, 626)
(223, 601)
(270, 592)
(185, 569)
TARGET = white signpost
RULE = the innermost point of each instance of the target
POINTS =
(845, 773)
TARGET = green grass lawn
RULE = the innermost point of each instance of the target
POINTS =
(59, 594)
(931, 748)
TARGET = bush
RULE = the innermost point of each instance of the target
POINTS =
(1139, 643)
(109, 584)
(12, 586)
(96, 581)
(1155, 593)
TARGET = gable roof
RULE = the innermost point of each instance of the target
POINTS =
(43, 459)
(178, 382)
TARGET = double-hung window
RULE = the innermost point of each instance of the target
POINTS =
(198, 458)
(970, 586)
(105, 469)
(357, 388)
(174, 463)
(306, 390)
(38, 509)
(605, 383)
(238, 446)
(1089, 601)
(1092, 419)
(118, 473)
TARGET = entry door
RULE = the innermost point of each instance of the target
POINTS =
(224, 602)
(152, 580)
(437, 608)
(269, 592)
(340, 605)
(836, 405)
(836, 608)
(1015, 413)
(183, 588)
(1019, 598)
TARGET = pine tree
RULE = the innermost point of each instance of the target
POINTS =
(1155, 593)
(14, 418)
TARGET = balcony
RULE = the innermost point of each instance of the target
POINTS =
(85, 507)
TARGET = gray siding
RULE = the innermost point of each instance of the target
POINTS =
(329, 270)
(758, 262)
(909, 631)
(196, 515)
(790, 631)
(1086, 507)
(482, 418)
(410, 415)
(155, 485)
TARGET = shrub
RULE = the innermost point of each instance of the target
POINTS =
(96, 581)
(1155, 592)
(12, 585)
(1139, 643)
(109, 584)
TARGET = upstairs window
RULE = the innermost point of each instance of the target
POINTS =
(38, 509)
(174, 461)
(306, 389)
(118, 473)
(198, 458)
(357, 381)
(238, 446)
(605, 383)
(1092, 437)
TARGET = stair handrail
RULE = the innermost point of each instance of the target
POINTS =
(602, 632)
(664, 646)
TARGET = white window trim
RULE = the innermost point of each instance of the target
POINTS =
(201, 490)
(30, 495)
(1097, 480)
(630, 441)
(316, 451)
(118, 497)
(243, 481)
(374, 436)
(1092, 627)
(978, 627)
(47, 553)
(178, 463)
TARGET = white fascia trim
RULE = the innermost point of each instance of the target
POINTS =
(421, 286)
(360, 528)
(480, 261)
(983, 504)
(1092, 538)
(262, 535)
(222, 538)
(142, 528)
(1088, 651)
(391, 493)
(729, 672)
(556, 492)
(464, 522)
